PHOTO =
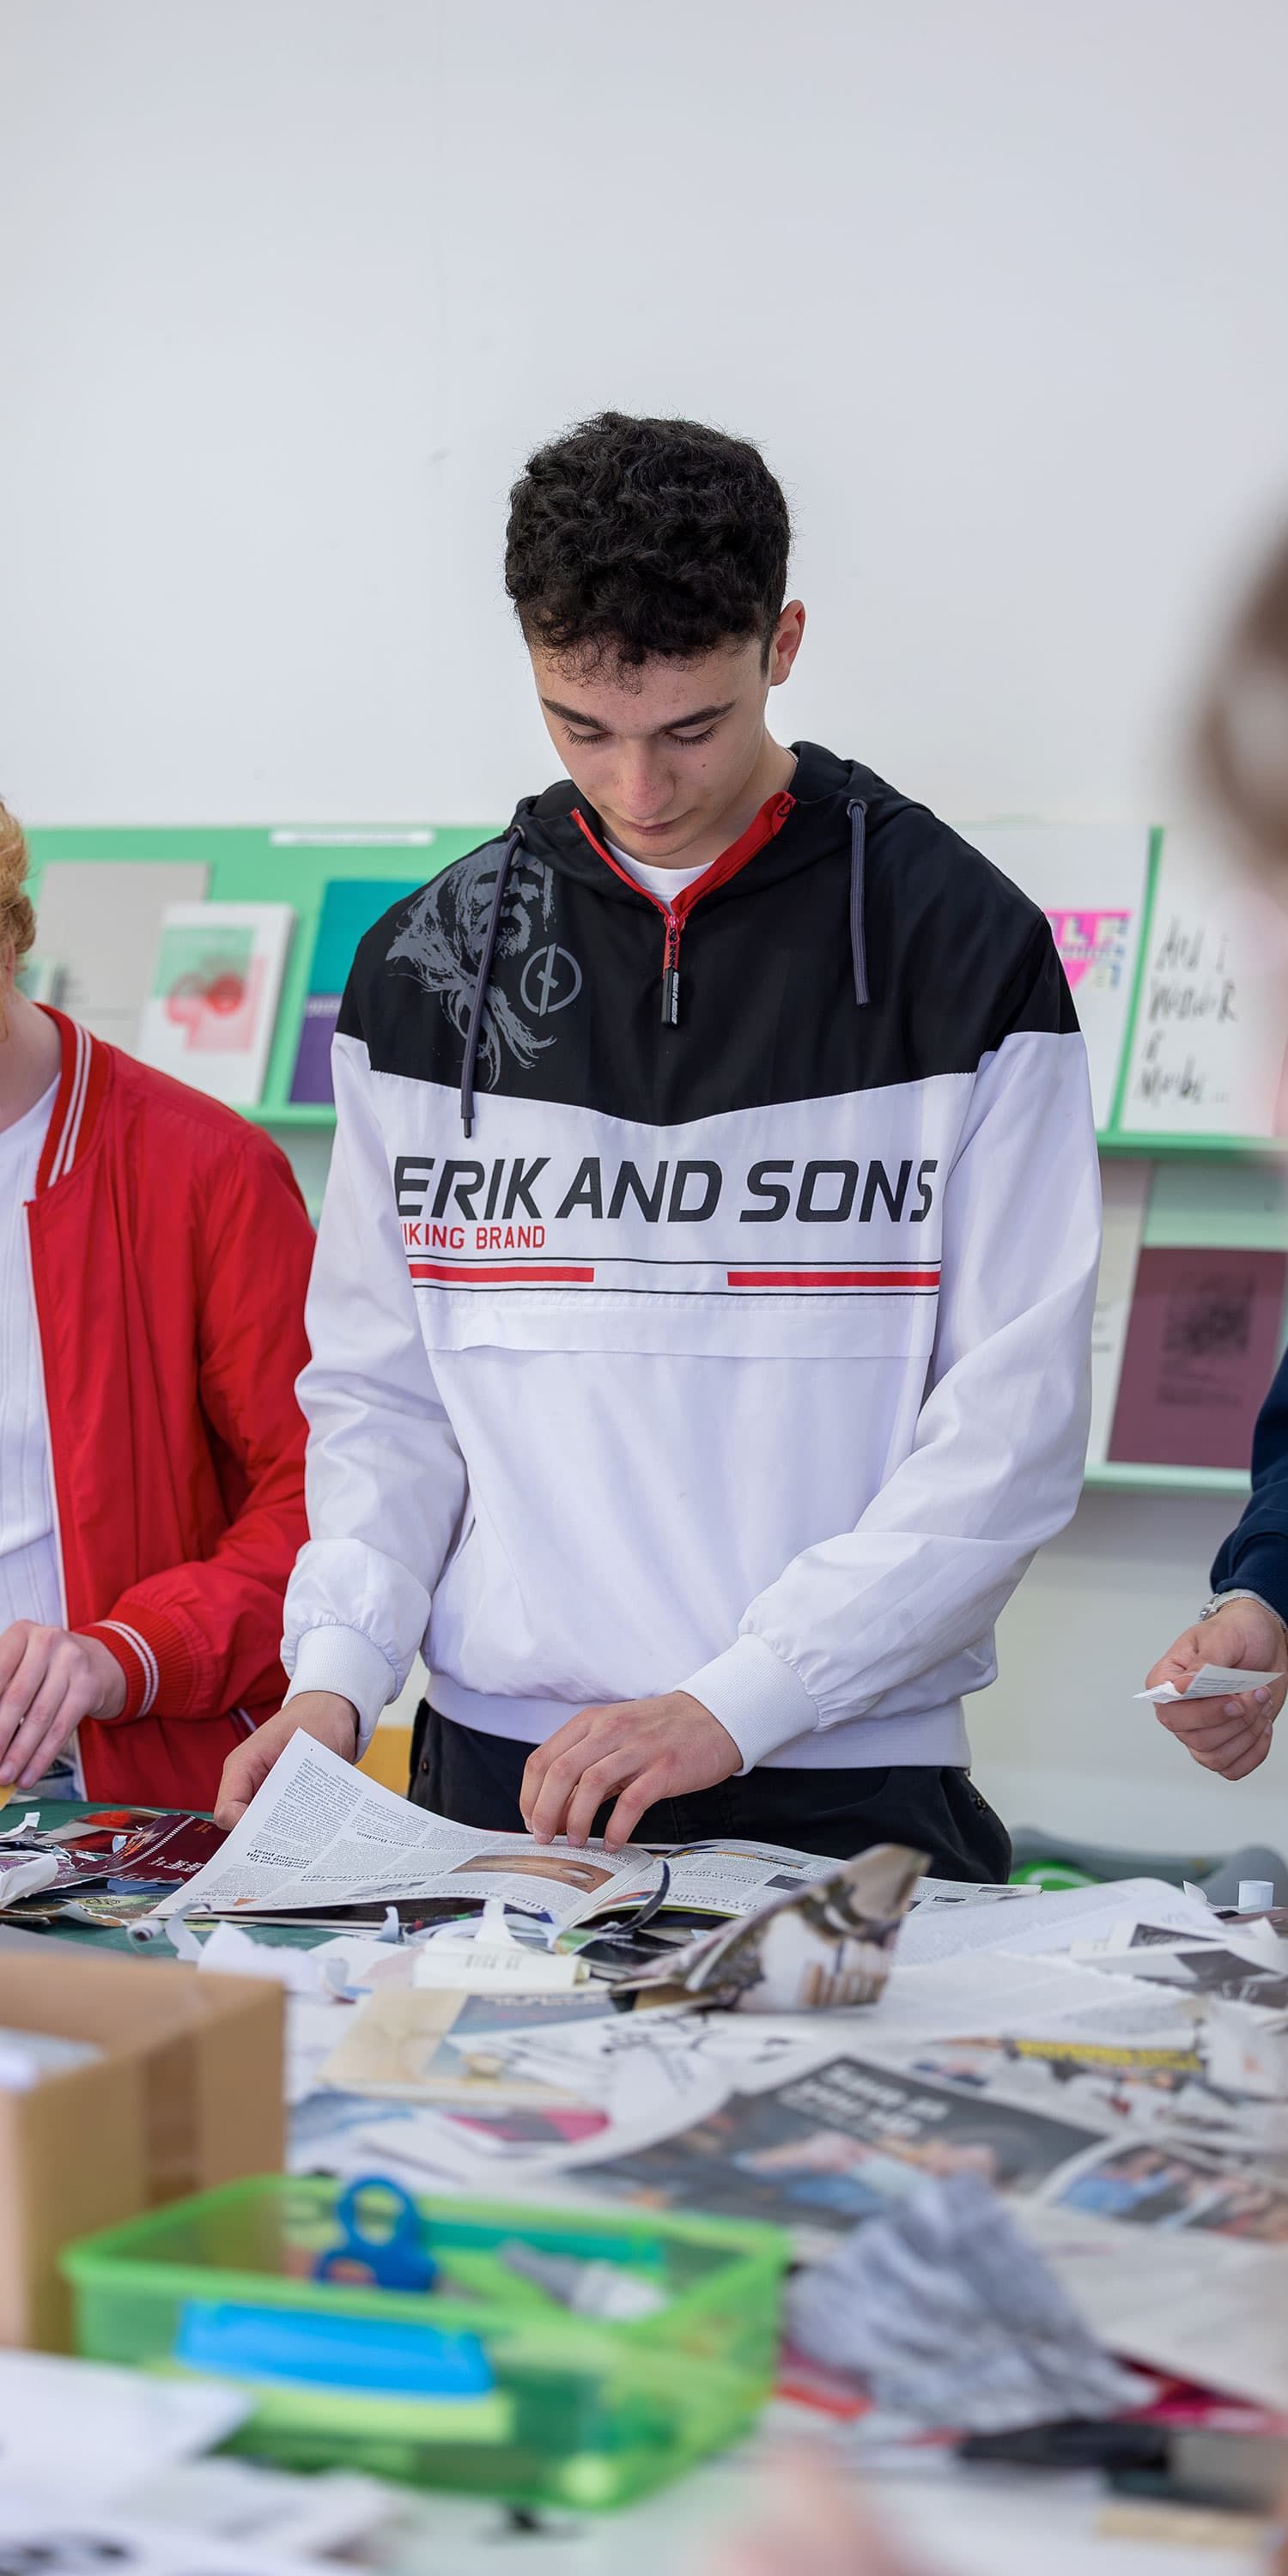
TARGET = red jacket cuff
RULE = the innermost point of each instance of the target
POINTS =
(152, 1654)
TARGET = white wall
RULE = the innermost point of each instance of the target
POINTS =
(288, 288)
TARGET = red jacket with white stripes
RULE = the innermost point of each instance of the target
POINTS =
(170, 1252)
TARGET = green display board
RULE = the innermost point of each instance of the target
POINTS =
(279, 865)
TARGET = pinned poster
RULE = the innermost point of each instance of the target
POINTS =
(1207, 1055)
(210, 1017)
(1090, 880)
(1125, 1194)
(1202, 1345)
(101, 920)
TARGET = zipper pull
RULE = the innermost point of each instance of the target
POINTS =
(671, 975)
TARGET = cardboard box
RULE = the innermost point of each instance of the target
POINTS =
(187, 2094)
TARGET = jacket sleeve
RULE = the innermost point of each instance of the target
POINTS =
(997, 1461)
(201, 1638)
(1254, 1558)
(385, 1479)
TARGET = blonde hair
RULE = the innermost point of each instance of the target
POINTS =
(17, 920)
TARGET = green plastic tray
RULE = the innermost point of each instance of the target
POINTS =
(582, 2414)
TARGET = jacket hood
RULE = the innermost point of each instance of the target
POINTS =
(826, 806)
(822, 790)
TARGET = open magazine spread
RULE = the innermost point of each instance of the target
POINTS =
(319, 1835)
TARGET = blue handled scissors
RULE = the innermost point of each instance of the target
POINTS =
(394, 2257)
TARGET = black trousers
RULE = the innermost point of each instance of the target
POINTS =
(475, 1778)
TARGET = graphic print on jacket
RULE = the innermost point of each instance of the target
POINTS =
(743, 1351)
(441, 940)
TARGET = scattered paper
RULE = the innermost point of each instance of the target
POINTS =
(953, 2318)
(487, 1957)
(112, 2425)
(1207, 2307)
(28, 2057)
(324, 2514)
(1211, 1681)
(68, 2537)
(811, 1949)
(1048, 1922)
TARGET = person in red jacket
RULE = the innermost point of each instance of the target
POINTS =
(154, 1254)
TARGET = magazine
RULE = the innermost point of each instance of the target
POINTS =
(319, 1835)
(121, 1849)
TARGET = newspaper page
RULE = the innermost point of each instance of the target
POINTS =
(1214, 2309)
(1050, 1922)
(462, 2085)
(735, 1877)
(837, 2145)
(320, 1834)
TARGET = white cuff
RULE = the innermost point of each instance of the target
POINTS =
(343, 1660)
(756, 1697)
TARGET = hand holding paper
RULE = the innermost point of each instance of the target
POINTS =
(1221, 1687)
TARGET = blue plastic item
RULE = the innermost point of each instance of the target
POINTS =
(395, 2257)
(331, 2352)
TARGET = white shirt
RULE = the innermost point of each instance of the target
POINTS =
(662, 883)
(29, 1581)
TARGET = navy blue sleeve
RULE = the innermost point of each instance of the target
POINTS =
(1255, 1555)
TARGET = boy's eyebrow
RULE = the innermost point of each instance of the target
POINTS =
(676, 724)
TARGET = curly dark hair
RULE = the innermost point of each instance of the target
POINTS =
(635, 538)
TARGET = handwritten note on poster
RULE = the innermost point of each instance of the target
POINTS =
(1089, 879)
(1209, 1042)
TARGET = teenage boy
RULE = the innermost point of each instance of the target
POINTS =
(701, 1312)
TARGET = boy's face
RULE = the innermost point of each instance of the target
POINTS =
(664, 751)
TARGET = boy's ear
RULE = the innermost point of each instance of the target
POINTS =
(785, 642)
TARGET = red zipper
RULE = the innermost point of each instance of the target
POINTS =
(770, 819)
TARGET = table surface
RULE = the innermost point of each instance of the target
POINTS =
(945, 2520)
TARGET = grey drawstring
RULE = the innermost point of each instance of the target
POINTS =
(858, 814)
(514, 842)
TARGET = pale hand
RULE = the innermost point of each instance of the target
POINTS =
(806, 2515)
(49, 1680)
(1233, 1735)
(637, 1750)
(334, 1721)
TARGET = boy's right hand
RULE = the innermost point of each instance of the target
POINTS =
(1232, 1735)
(332, 1720)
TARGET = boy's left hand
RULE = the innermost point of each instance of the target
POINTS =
(643, 1749)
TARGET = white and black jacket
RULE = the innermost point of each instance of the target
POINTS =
(702, 1299)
